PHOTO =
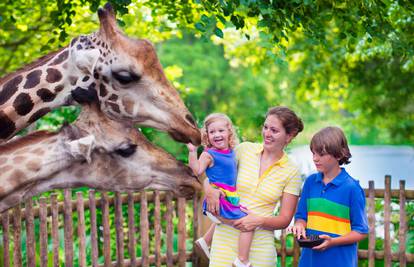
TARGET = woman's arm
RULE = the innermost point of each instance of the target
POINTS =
(212, 196)
(280, 221)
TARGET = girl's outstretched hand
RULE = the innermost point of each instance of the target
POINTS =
(191, 147)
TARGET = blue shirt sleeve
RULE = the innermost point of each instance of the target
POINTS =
(302, 210)
(358, 216)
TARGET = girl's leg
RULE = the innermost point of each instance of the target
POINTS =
(245, 241)
(208, 236)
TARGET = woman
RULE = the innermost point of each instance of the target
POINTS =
(265, 177)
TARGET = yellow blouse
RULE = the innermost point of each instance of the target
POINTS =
(260, 195)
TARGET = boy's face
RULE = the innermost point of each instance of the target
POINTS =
(325, 163)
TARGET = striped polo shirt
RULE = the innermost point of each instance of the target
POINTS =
(334, 209)
(260, 195)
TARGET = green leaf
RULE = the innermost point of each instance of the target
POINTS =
(200, 26)
(218, 32)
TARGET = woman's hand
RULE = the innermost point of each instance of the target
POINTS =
(248, 223)
(212, 196)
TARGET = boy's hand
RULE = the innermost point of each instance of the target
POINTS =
(326, 244)
(191, 147)
(298, 230)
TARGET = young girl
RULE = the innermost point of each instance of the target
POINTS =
(219, 163)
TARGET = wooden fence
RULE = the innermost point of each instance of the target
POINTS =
(161, 234)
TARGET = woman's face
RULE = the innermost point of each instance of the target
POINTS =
(274, 134)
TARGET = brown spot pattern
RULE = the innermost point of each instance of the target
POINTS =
(113, 106)
(23, 104)
(128, 105)
(19, 159)
(38, 151)
(32, 79)
(113, 97)
(7, 126)
(73, 80)
(59, 59)
(38, 114)
(46, 95)
(17, 177)
(59, 88)
(9, 89)
(53, 75)
(33, 165)
(102, 90)
(3, 160)
(5, 169)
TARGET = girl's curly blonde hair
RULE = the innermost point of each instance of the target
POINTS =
(233, 139)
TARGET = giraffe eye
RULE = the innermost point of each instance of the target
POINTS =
(125, 77)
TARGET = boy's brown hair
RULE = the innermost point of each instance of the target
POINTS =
(331, 140)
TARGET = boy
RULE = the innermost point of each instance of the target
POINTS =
(332, 205)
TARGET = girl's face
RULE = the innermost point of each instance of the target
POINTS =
(325, 163)
(274, 134)
(218, 134)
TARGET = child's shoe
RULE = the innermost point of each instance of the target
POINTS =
(213, 218)
(202, 247)
(238, 263)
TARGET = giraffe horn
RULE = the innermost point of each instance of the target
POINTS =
(107, 21)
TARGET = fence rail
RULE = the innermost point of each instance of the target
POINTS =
(151, 228)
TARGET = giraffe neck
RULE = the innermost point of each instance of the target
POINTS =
(48, 83)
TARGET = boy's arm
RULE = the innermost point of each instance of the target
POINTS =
(350, 238)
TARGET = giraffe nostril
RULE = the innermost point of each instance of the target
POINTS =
(190, 119)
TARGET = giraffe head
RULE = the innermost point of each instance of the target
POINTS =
(126, 78)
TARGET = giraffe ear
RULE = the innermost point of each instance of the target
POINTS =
(107, 19)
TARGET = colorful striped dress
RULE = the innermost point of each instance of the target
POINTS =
(260, 195)
(222, 175)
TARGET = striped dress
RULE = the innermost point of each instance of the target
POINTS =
(260, 195)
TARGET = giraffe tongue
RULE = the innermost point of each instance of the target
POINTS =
(179, 137)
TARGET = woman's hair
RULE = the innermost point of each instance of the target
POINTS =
(332, 141)
(290, 121)
(233, 139)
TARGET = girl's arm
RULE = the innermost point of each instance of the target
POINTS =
(198, 165)
(281, 221)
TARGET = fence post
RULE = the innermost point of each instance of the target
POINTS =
(131, 229)
(94, 230)
(371, 224)
(387, 221)
(119, 221)
(68, 232)
(6, 242)
(54, 206)
(17, 252)
(181, 232)
(81, 229)
(402, 234)
(30, 235)
(144, 230)
(106, 229)
(43, 231)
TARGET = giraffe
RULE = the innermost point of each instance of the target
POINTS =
(122, 74)
(96, 152)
